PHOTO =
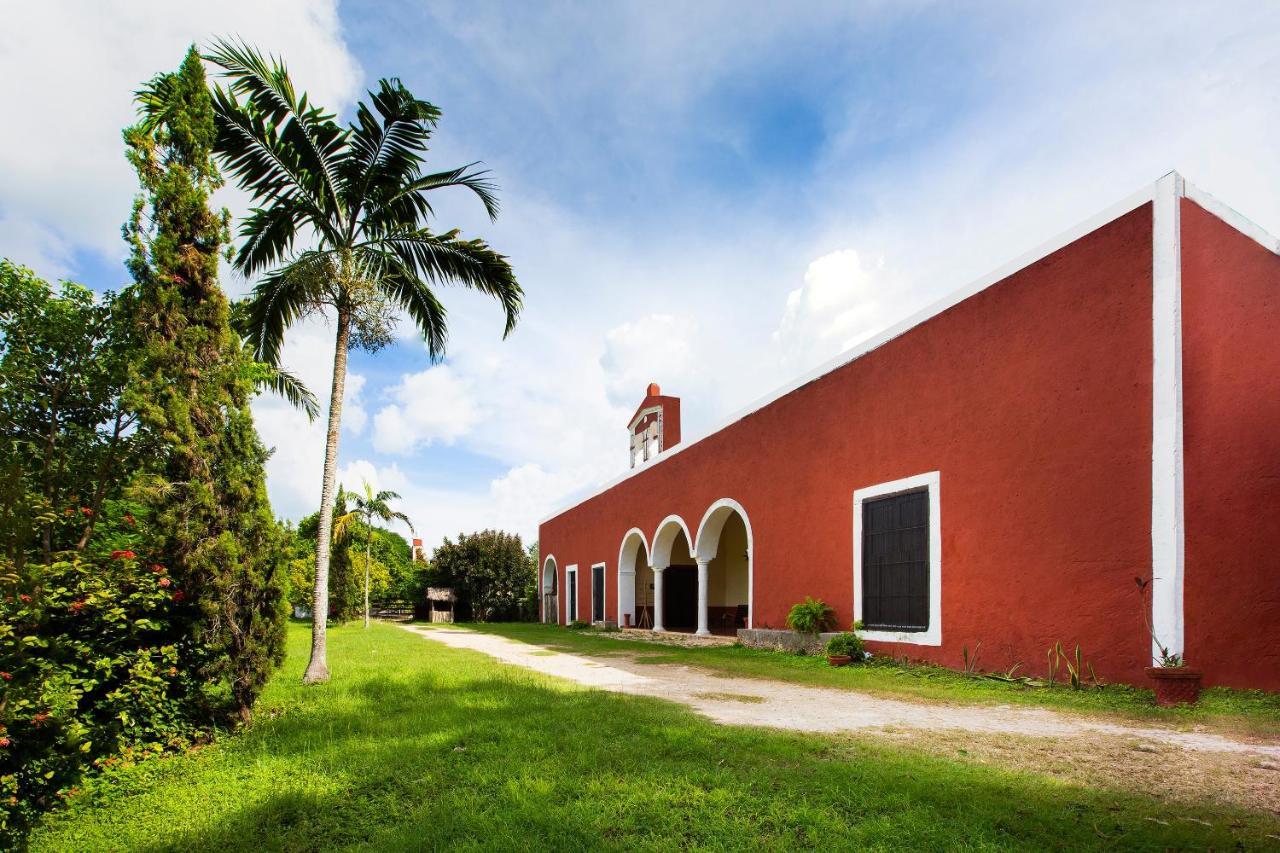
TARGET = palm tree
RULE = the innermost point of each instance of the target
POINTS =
(356, 198)
(368, 507)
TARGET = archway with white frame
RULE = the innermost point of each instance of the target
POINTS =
(635, 581)
(671, 542)
(723, 550)
(550, 582)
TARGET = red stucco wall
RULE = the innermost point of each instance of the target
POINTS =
(1032, 399)
(1231, 423)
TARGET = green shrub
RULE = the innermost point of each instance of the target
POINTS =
(846, 643)
(579, 625)
(90, 670)
(811, 616)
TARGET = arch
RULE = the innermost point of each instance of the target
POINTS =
(665, 537)
(708, 542)
(550, 584)
(713, 520)
(632, 541)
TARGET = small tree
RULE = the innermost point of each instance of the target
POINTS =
(367, 507)
(489, 573)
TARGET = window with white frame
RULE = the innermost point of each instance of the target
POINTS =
(897, 560)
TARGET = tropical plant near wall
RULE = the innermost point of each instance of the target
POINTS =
(357, 198)
(368, 507)
(811, 616)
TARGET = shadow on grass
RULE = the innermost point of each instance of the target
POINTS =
(451, 750)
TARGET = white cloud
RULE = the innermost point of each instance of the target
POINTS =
(658, 346)
(68, 71)
(841, 302)
(435, 405)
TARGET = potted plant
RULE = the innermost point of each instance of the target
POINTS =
(1175, 683)
(811, 616)
(844, 648)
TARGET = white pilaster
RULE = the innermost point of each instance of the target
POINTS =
(657, 598)
(702, 600)
(1167, 532)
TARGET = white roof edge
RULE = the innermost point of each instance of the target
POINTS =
(1115, 211)
(1229, 215)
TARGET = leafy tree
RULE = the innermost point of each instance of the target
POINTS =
(191, 388)
(489, 573)
(66, 437)
(367, 507)
(358, 198)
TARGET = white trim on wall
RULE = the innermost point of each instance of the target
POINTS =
(662, 541)
(702, 548)
(1065, 238)
(542, 585)
(1167, 530)
(627, 575)
(576, 583)
(932, 636)
(604, 595)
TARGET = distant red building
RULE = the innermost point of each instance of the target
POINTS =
(996, 470)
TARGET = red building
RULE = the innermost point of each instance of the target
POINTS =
(996, 470)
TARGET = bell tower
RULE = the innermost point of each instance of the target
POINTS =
(655, 427)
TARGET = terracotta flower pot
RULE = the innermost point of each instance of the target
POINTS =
(838, 660)
(1175, 685)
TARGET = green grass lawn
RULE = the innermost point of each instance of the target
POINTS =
(414, 745)
(1247, 712)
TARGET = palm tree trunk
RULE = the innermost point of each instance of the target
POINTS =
(318, 668)
(368, 547)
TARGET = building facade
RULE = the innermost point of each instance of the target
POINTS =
(1000, 469)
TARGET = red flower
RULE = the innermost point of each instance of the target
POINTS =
(178, 595)
(85, 511)
(122, 555)
(157, 568)
(164, 581)
(69, 511)
(7, 676)
(129, 519)
(41, 718)
(77, 606)
(4, 743)
(26, 598)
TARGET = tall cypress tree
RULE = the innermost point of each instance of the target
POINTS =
(191, 387)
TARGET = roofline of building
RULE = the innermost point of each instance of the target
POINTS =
(1127, 205)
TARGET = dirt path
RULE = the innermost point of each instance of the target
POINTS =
(760, 702)
(1167, 764)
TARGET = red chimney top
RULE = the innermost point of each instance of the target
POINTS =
(653, 390)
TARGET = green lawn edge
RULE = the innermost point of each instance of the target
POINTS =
(414, 745)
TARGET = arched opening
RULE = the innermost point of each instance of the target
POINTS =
(635, 582)
(724, 544)
(675, 577)
(550, 609)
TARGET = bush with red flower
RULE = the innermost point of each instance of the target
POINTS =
(91, 668)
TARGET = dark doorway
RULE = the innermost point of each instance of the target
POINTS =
(571, 602)
(680, 597)
(597, 593)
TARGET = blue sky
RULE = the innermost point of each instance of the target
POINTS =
(713, 196)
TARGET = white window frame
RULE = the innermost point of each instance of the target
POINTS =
(604, 593)
(931, 481)
(570, 615)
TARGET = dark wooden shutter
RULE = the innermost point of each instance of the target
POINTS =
(597, 593)
(895, 562)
